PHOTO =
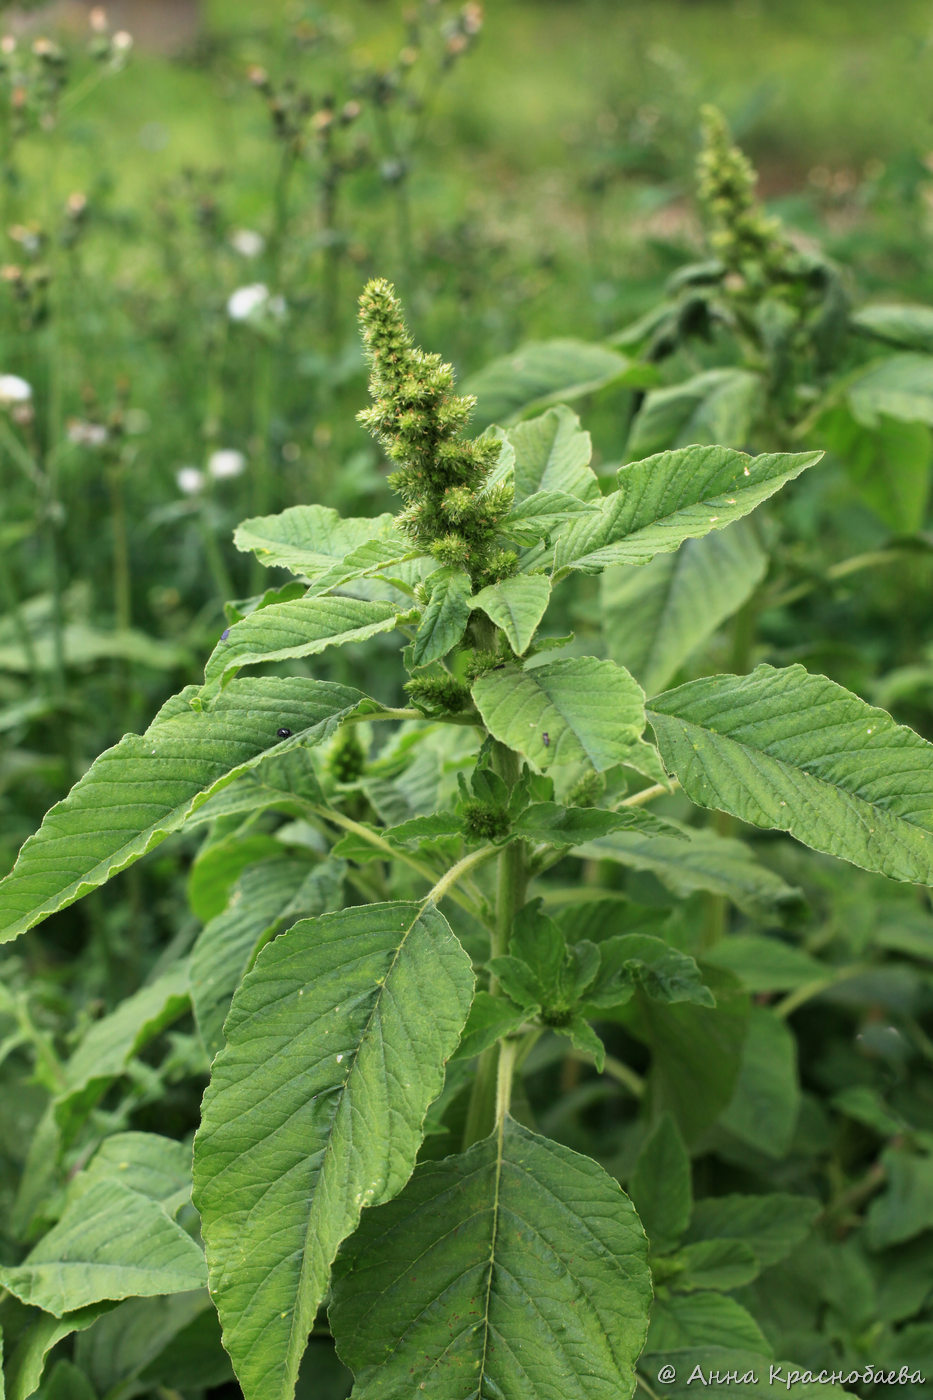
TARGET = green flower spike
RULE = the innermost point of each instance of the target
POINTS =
(742, 234)
(442, 477)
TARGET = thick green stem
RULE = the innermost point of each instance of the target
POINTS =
(511, 884)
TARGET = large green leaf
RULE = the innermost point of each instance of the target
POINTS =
(145, 787)
(516, 605)
(541, 513)
(129, 1338)
(302, 627)
(889, 463)
(336, 1044)
(265, 898)
(542, 372)
(516, 1270)
(310, 540)
(702, 861)
(681, 1323)
(552, 453)
(784, 749)
(900, 386)
(905, 1207)
(564, 712)
(149, 1164)
(110, 1043)
(672, 497)
(695, 1052)
(110, 1243)
(572, 826)
(773, 1225)
(445, 618)
(26, 1361)
(716, 406)
(651, 620)
(766, 1101)
(910, 327)
(660, 1185)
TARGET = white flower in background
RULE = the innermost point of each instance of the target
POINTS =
(247, 242)
(122, 41)
(246, 301)
(225, 463)
(86, 434)
(253, 303)
(14, 390)
(190, 480)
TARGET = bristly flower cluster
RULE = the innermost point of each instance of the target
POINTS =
(742, 234)
(450, 511)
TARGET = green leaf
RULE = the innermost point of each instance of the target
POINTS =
(766, 964)
(639, 961)
(687, 1322)
(717, 406)
(905, 1207)
(771, 1225)
(866, 1106)
(149, 1164)
(717, 1264)
(695, 1053)
(764, 1106)
(490, 1018)
(370, 558)
(66, 1382)
(552, 453)
(315, 1110)
(579, 710)
(26, 1362)
(888, 462)
(784, 749)
(303, 627)
(651, 621)
(310, 540)
(265, 898)
(518, 1270)
(445, 617)
(83, 645)
(132, 1335)
(541, 513)
(910, 327)
(218, 866)
(702, 861)
(660, 1185)
(539, 373)
(672, 497)
(572, 826)
(900, 386)
(145, 787)
(84, 1259)
(112, 1042)
(516, 605)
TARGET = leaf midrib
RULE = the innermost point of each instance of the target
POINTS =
(328, 1146)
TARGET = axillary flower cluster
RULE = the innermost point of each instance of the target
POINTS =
(451, 510)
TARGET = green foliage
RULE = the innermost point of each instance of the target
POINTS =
(456, 971)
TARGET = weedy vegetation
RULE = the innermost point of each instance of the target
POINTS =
(526, 993)
(350, 1020)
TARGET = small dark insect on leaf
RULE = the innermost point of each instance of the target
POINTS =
(546, 739)
(225, 634)
(284, 733)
